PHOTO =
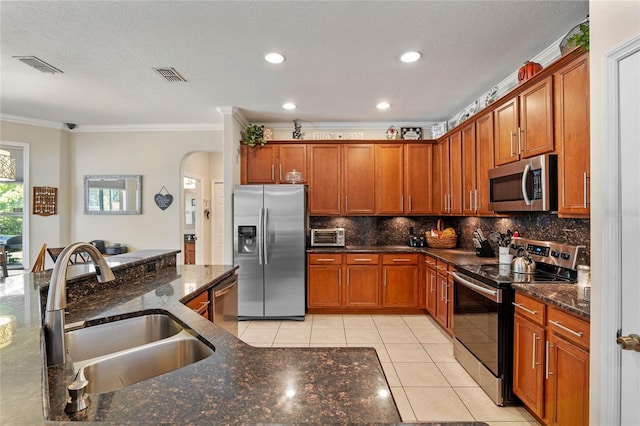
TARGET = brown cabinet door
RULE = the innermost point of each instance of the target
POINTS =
(442, 308)
(324, 179)
(418, 193)
(528, 363)
(358, 172)
(455, 174)
(200, 304)
(505, 121)
(190, 253)
(389, 179)
(400, 286)
(571, 122)
(292, 157)
(445, 184)
(568, 383)
(325, 284)
(431, 286)
(468, 142)
(261, 163)
(484, 162)
(536, 119)
(363, 286)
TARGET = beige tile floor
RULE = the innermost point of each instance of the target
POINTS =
(416, 355)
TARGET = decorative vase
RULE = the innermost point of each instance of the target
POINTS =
(528, 70)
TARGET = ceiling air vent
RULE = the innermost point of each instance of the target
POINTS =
(38, 64)
(169, 74)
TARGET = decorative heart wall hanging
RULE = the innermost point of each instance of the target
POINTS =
(163, 200)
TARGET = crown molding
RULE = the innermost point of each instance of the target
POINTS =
(158, 127)
(31, 121)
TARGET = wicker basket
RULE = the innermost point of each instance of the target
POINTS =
(441, 242)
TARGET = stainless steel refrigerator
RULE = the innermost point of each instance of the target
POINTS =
(269, 245)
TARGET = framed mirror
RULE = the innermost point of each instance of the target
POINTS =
(113, 194)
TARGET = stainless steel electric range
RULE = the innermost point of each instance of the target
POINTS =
(483, 311)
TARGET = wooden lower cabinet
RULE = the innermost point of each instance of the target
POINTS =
(190, 253)
(325, 281)
(444, 298)
(200, 304)
(363, 281)
(551, 362)
(400, 280)
(431, 279)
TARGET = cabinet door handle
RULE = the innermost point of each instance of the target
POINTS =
(272, 173)
(402, 202)
(476, 192)
(533, 355)
(280, 172)
(348, 277)
(362, 260)
(202, 308)
(339, 277)
(517, 305)
(511, 143)
(546, 360)
(443, 287)
(384, 278)
(325, 260)
(433, 287)
(401, 260)
(470, 199)
(346, 203)
(519, 141)
(584, 194)
(567, 329)
(410, 204)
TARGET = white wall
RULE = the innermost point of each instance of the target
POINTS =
(49, 166)
(157, 156)
(611, 24)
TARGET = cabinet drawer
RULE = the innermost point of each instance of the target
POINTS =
(400, 259)
(362, 259)
(430, 261)
(325, 259)
(530, 308)
(568, 326)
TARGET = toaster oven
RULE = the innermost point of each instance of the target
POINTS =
(332, 237)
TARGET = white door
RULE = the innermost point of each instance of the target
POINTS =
(629, 69)
(618, 370)
(218, 222)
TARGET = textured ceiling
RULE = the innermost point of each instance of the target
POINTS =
(341, 57)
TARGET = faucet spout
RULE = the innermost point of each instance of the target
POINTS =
(57, 298)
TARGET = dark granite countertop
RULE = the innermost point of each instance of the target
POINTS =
(237, 384)
(564, 296)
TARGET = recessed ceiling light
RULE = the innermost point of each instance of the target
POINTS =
(274, 58)
(383, 105)
(410, 56)
(289, 105)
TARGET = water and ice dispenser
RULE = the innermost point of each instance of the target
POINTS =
(247, 240)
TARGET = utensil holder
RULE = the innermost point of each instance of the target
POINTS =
(504, 256)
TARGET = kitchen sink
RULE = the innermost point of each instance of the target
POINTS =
(103, 339)
(113, 372)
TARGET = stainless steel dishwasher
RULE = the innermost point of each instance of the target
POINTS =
(224, 298)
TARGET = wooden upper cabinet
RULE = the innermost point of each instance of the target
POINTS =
(484, 162)
(325, 177)
(418, 193)
(523, 126)
(506, 132)
(292, 157)
(451, 174)
(358, 168)
(536, 119)
(469, 181)
(260, 164)
(389, 179)
(571, 127)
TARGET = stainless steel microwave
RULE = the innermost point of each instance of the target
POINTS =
(526, 185)
(332, 237)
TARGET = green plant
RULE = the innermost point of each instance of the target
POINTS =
(254, 135)
(581, 39)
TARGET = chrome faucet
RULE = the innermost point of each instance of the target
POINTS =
(57, 298)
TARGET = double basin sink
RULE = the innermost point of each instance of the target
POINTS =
(120, 353)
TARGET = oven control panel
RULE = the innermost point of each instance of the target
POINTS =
(549, 252)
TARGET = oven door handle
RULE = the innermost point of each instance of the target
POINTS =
(496, 295)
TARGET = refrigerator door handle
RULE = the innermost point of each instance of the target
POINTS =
(265, 235)
(260, 236)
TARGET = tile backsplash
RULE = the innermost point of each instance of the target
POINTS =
(383, 230)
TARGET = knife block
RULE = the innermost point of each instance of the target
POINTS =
(484, 250)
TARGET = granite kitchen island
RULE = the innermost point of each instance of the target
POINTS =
(237, 384)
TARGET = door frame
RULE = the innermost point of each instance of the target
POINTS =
(199, 228)
(608, 368)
